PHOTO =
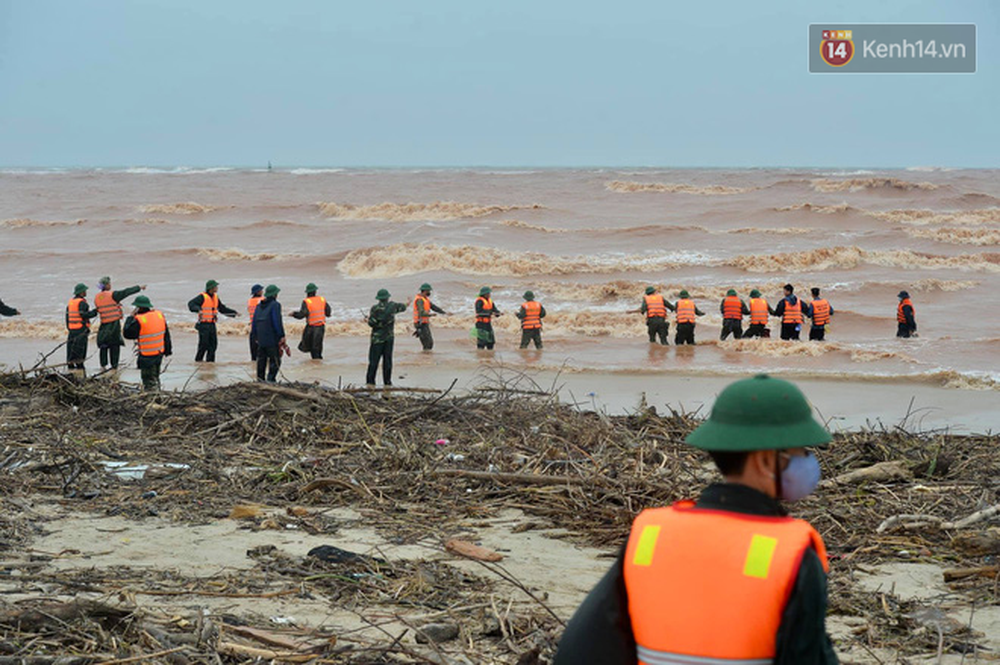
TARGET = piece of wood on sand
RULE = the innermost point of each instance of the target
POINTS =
(471, 551)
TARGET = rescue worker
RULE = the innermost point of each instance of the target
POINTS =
(733, 309)
(270, 332)
(730, 577)
(906, 323)
(315, 309)
(485, 311)
(109, 334)
(531, 315)
(759, 311)
(686, 311)
(7, 311)
(820, 311)
(791, 310)
(382, 321)
(78, 315)
(149, 327)
(423, 310)
(208, 307)
(256, 295)
(655, 307)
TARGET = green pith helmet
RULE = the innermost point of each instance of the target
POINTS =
(104, 281)
(762, 413)
(485, 291)
(755, 294)
(271, 291)
(684, 294)
(142, 301)
(383, 294)
(731, 292)
(650, 290)
(425, 287)
(311, 288)
(79, 288)
(210, 283)
(529, 295)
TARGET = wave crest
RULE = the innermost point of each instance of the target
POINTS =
(860, 184)
(837, 209)
(436, 211)
(189, 208)
(25, 223)
(927, 217)
(234, 254)
(957, 236)
(631, 187)
(852, 257)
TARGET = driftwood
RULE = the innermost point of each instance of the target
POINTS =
(234, 649)
(471, 551)
(275, 640)
(878, 473)
(954, 574)
(914, 521)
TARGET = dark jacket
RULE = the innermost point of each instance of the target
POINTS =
(791, 300)
(267, 325)
(132, 329)
(7, 311)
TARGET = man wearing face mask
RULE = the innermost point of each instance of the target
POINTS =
(729, 578)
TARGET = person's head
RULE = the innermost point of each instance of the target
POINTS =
(731, 292)
(256, 290)
(684, 294)
(425, 289)
(271, 291)
(758, 434)
(142, 303)
(529, 295)
(755, 293)
(104, 283)
(485, 291)
(903, 295)
(789, 289)
(650, 290)
(311, 289)
(211, 287)
(815, 291)
(80, 290)
(383, 295)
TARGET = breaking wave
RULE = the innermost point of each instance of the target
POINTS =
(860, 184)
(12, 328)
(437, 211)
(176, 208)
(852, 257)
(838, 209)
(631, 187)
(147, 220)
(869, 356)
(927, 217)
(272, 224)
(958, 236)
(24, 223)
(234, 254)
(518, 224)
(776, 348)
(925, 285)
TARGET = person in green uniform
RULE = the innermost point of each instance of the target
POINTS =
(531, 314)
(208, 307)
(423, 310)
(109, 309)
(686, 312)
(315, 310)
(7, 311)
(382, 321)
(655, 307)
(78, 316)
(143, 324)
(485, 313)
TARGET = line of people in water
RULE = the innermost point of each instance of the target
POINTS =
(268, 343)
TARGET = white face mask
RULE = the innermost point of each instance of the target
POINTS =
(800, 478)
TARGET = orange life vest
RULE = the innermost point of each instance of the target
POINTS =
(252, 305)
(209, 308)
(711, 586)
(793, 313)
(655, 306)
(76, 320)
(109, 310)
(821, 312)
(758, 312)
(732, 308)
(486, 315)
(416, 309)
(152, 333)
(900, 315)
(685, 311)
(532, 315)
(317, 311)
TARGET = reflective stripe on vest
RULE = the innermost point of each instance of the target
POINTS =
(689, 571)
(900, 315)
(655, 306)
(532, 315)
(758, 311)
(416, 309)
(685, 311)
(732, 308)
(209, 309)
(793, 313)
(821, 312)
(487, 312)
(109, 310)
(152, 333)
(252, 305)
(317, 310)
(75, 321)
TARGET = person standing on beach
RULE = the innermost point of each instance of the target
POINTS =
(733, 309)
(531, 315)
(382, 321)
(485, 311)
(820, 311)
(208, 307)
(423, 310)
(149, 327)
(256, 295)
(109, 334)
(655, 307)
(906, 323)
(791, 310)
(270, 332)
(729, 577)
(686, 313)
(759, 311)
(314, 310)
(78, 316)
(7, 311)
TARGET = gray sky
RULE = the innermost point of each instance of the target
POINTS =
(466, 82)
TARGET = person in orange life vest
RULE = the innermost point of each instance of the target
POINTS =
(7, 311)
(78, 316)
(531, 315)
(759, 311)
(686, 311)
(655, 307)
(315, 310)
(792, 312)
(423, 310)
(256, 295)
(109, 334)
(906, 323)
(733, 310)
(208, 307)
(820, 311)
(730, 577)
(485, 311)
(149, 328)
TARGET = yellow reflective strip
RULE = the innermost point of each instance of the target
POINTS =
(646, 546)
(759, 556)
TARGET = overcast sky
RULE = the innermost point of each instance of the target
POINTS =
(470, 82)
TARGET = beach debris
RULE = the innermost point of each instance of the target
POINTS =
(472, 551)
(877, 473)
(246, 512)
(331, 554)
(436, 632)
